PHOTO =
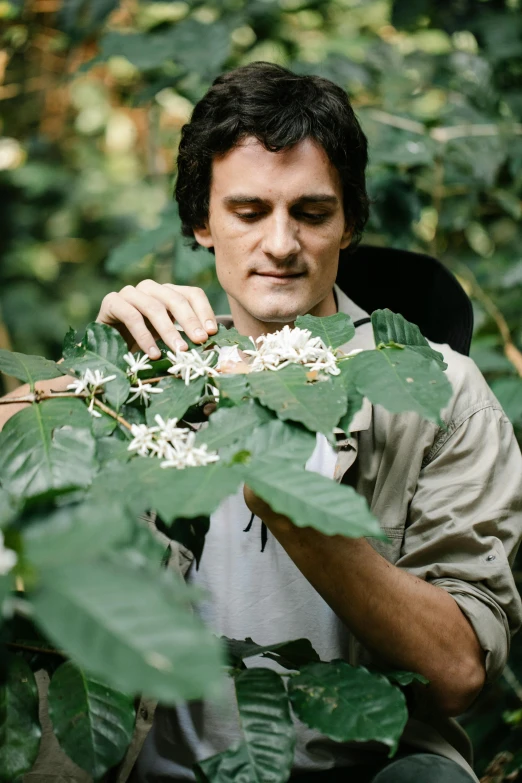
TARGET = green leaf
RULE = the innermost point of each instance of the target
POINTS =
(400, 677)
(266, 724)
(391, 327)
(282, 440)
(93, 723)
(312, 500)
(132, 251)
(318, 406)
(231, 766)
(232, 387)
(122, 625)
(354, 399)
(19, 723)
(47, 447)
(291, 654)
(508, 392)
(348, 704)
(102, 348)
(27, 368)
(103, 425)
(233, 425)
(175, 400)
(75, 532)
(334, 330)
(174, 494)
(7, 509)
(230, 336)
(112, 450)
(79, 18)
(400, 379)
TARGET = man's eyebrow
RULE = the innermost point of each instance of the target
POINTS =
(309, 198)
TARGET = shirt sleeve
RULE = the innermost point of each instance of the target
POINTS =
(465, 522)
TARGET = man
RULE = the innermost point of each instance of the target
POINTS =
(271, 180)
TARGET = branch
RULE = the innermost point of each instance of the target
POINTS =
(511, 352)
(34, 648)
(38, 396)
(443, 134)
(105, 408)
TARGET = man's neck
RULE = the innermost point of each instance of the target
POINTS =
(248, 325)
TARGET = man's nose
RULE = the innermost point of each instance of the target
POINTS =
(281, 237)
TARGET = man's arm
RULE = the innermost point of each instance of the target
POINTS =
(406, 622)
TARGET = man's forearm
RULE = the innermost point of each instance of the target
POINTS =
(406, 622)
(8, 409)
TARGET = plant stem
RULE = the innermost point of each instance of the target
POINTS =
(105, 408)
(34, 648)
(511, 352)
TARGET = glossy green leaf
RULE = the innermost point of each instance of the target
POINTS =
(233, 425)
(175, 400)
(312, 500)
(231, 766)
(230, 336)
(318, 406)
(75, 532)
(266, 724)
(102, 348)
(348, 704)
(27, 368)
(47, 447)
(282, 440)
(334, 330)
(291, 654)
(139, 636)
(389, 327)
(232, 387)
(400, 677)
(20, 730)
(92, 722)
(400, 379)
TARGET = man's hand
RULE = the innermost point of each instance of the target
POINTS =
(148, 311)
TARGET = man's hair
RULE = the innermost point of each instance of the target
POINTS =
(280, 109)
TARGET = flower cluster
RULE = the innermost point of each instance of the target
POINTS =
(140, 390)
(91, 383)
(175, 445)
(292, 346)
(190, 365)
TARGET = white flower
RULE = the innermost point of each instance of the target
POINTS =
(136, 363)
(92, 383)
(189, 365)
(175, 445)
(8, 558)
(143, 442)
(292, 346)
(143, 391)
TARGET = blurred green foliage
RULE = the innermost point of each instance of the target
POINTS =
(94, 93)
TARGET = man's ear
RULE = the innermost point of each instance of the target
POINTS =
(347, 236)
(203, 235)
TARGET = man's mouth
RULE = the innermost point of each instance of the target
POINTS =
(280, 275)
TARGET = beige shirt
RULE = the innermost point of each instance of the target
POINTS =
(450, 501)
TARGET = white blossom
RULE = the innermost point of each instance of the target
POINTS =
(292, 346)
(8, 558)
(190, 365)
(143, 391)
(136, 362)
(91, 382)
(143, 439)
(170, 443)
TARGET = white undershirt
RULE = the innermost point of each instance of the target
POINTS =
(260, 595)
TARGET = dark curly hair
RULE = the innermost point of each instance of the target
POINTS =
(280, 109)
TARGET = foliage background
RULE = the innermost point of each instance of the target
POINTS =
(93, 94)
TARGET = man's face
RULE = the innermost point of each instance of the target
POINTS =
(276, 222)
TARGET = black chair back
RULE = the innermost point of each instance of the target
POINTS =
(418, 286)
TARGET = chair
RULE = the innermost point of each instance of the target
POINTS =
(413, 284)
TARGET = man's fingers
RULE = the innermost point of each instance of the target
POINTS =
(179, 300)
(117, 310)
(200, 306)
(156, 313)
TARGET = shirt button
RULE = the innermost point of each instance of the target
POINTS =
(491, 557)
